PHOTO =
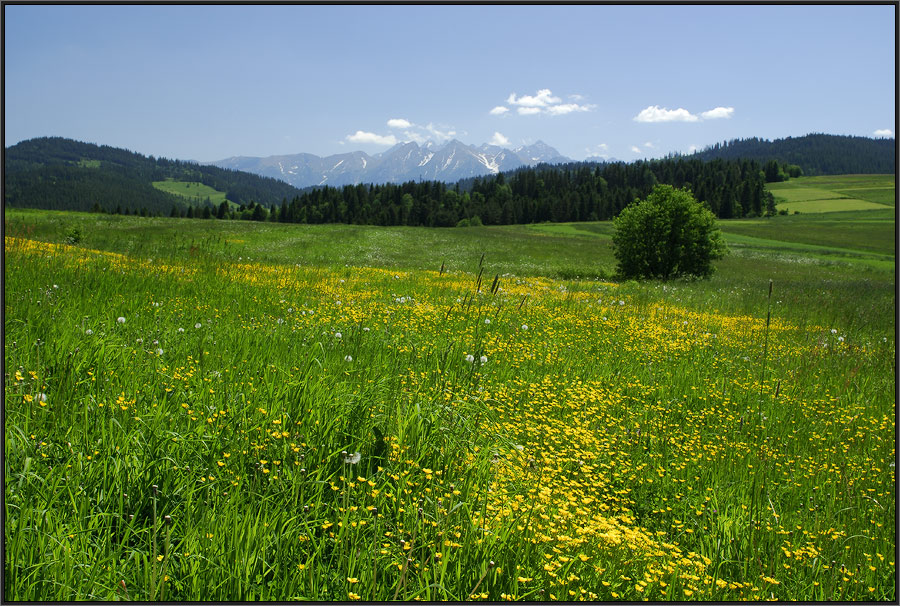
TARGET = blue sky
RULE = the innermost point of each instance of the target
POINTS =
(209, 82)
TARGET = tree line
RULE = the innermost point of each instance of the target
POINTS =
(558, 193)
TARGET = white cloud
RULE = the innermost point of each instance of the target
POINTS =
(598, 151)
(499, 139)
(399, 123)
(636, 149)
(440, 135)
(364, 137)
(410, 135)
(693, 148)
(543, 98)
(718, 112)
(884, 132)
(654, 113)
(649, 144)
(542, 102)
(566, 108)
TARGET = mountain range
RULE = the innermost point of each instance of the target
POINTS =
(447, 162)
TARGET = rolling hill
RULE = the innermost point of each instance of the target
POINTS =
(63, 174)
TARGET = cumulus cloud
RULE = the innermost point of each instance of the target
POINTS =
(693, 148)
(654, 113)
(543, 98)
(364, 137)
(566, 108)
(438, 134)
(717, 112)
(399, 123)
(499, 139)
(636, 149)
(649, 144)
(884, 132)
(599, 151)
(542, 102)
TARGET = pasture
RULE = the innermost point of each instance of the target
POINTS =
(832, 193)
(194, 192)
(212, 410)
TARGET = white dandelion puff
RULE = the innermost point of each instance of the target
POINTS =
(484, 359)
(470, 358)
(524, 326)
(352, 459)
(198, 325)
(337, 335)
(348, 358)
(120, 320)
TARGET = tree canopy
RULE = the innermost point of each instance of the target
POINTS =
(667, 235)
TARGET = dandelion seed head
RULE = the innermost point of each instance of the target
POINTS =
(120, 320)
(352, 459)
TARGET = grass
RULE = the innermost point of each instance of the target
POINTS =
(829, 194)
(521, 433)
(195, 192)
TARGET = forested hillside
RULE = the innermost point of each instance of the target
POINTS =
(815, 154)
(62, 174)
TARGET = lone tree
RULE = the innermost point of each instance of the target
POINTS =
(668, 235)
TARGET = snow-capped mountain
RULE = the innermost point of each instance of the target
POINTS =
(448, 162)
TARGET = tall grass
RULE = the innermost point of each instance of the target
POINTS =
(263, 430)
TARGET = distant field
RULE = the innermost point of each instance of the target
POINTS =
(193, 191)
(834, 193)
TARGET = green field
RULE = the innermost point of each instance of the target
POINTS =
(234, 411)
(192, 191)
(834, 193)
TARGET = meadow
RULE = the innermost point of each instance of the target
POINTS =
(193, 192)
(834, 193)
(208, 410)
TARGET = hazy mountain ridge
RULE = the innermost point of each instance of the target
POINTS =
(448, 162)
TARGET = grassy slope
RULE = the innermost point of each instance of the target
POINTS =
(192, 191)
(834, 193)
(833, 277)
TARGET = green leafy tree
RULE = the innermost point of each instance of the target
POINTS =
(667, 235)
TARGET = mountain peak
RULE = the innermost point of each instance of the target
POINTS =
(447, 161)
